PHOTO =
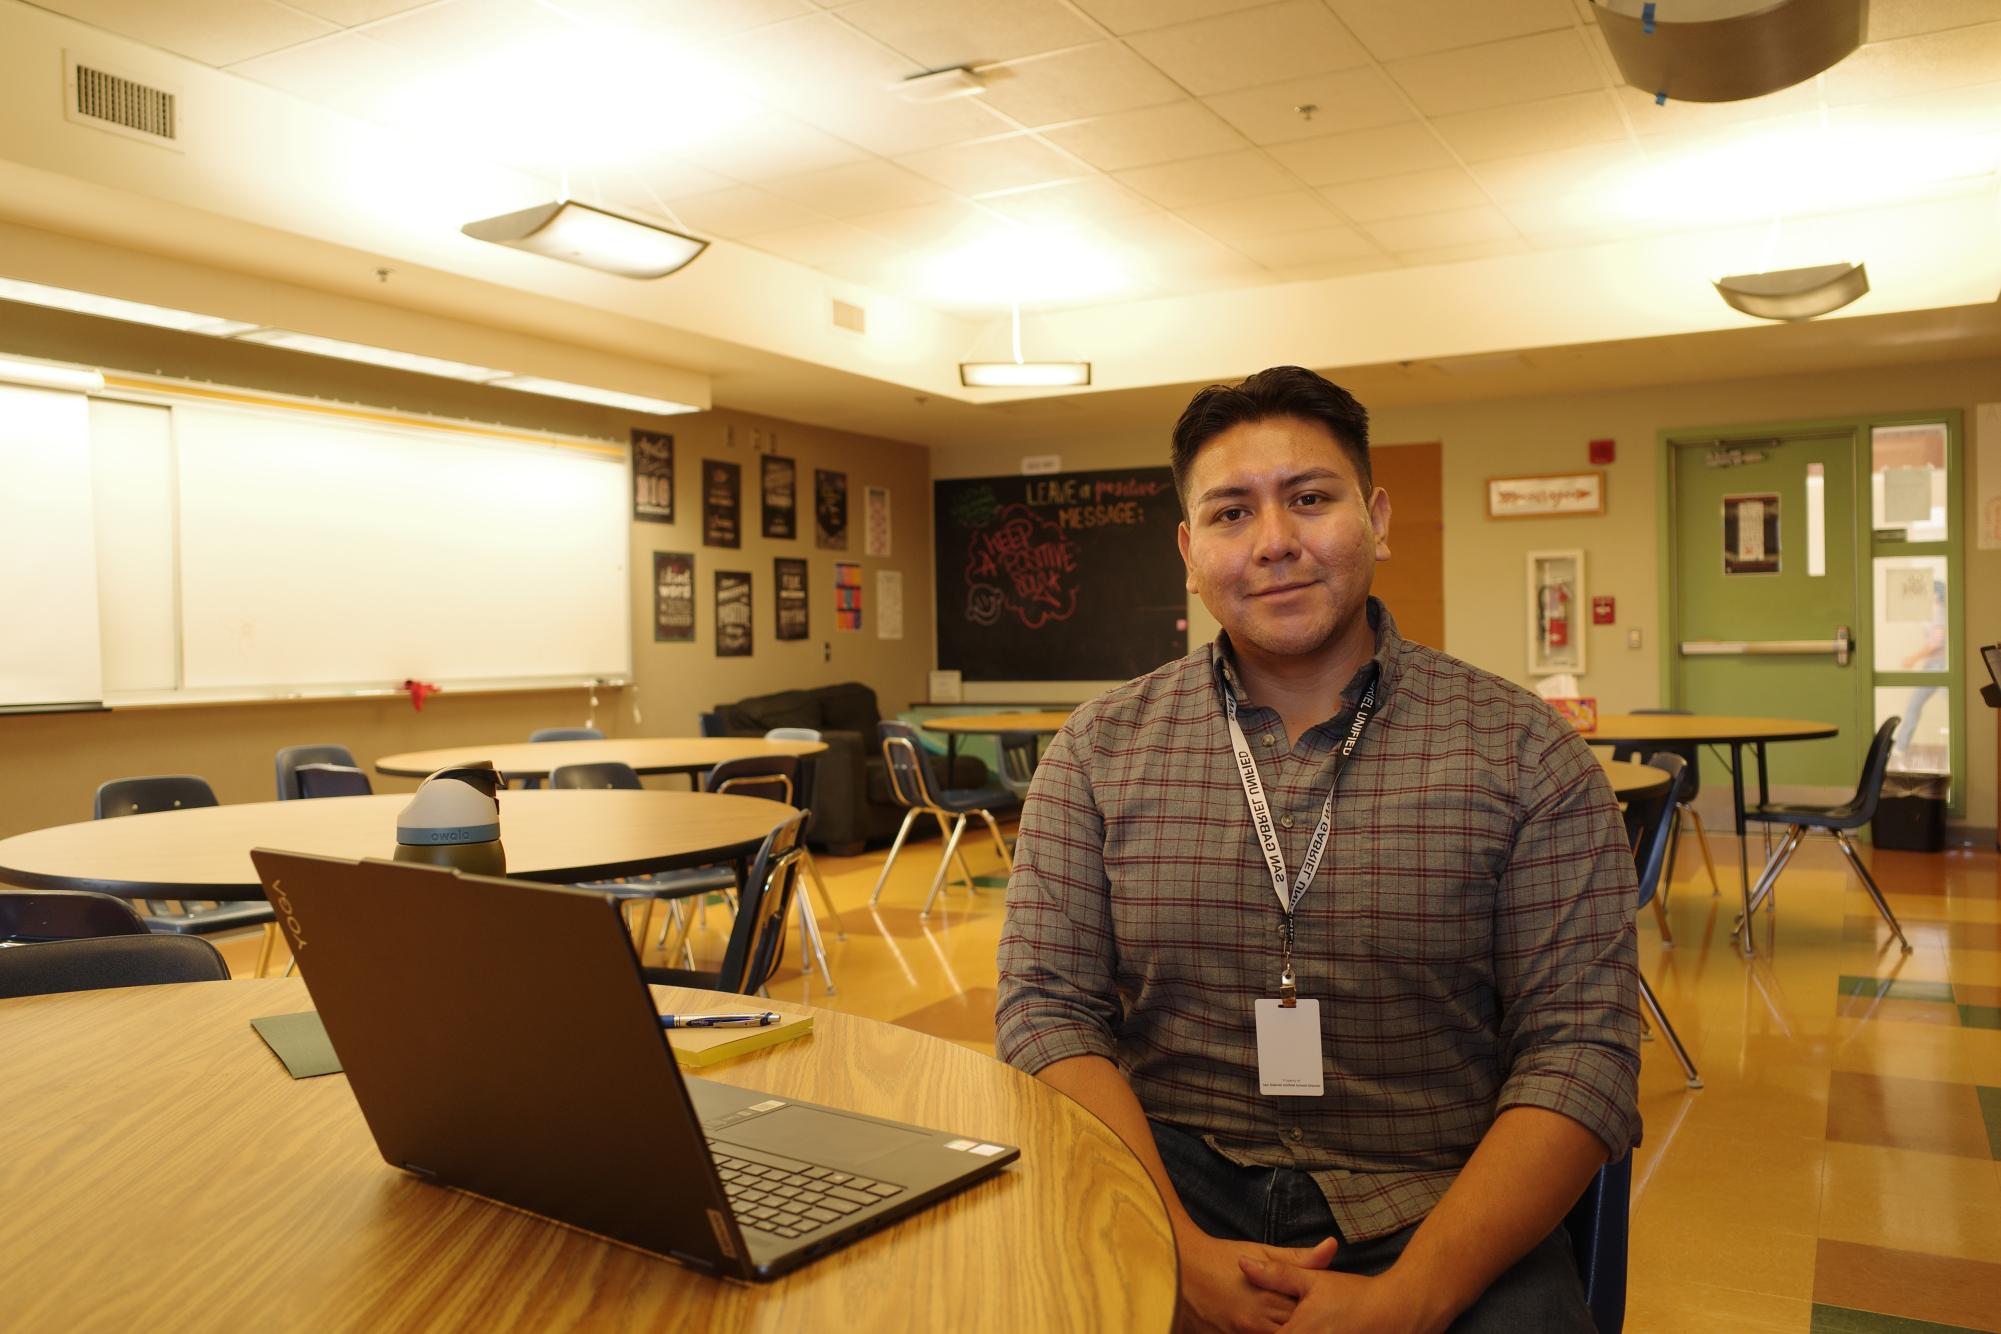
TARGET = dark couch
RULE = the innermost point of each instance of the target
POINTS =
(852, 805)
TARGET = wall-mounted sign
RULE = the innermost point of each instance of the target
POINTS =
(673, 597)
(722, 504)
(789, 577)
(1546, 496)
(780, 485)
(652, 476)
(733, 638)
(1751, 534)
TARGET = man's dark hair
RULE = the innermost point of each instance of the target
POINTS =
(1282, 391)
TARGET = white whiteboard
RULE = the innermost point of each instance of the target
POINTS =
(48, 560)
(328, 552)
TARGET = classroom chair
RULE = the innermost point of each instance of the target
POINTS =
(757, 939)
(1839, 821)
(779, 778)
(28, 916)
(915, 787)
(1597, 1228)
(331, 780)
(1687, 807)
(167, 792)
(1652, 823)
(560, 734)
(96, 962)
(809, 777)
(291, 758)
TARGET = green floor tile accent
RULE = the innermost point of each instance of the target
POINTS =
(1893, 989)
(1841, 1320)
(1980, 1016)
(990, 881)
(1990, 1111)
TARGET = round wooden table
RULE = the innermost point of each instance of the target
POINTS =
(163, 1171)
(1631, 780)
(1045, 723)
(646, 755)
(561, 837)
(1705, 729)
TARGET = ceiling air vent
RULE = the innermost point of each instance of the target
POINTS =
(849, 316)
(103, 100)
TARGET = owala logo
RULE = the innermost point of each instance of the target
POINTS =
(283, 903)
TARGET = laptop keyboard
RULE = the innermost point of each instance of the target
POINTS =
(792, 1199)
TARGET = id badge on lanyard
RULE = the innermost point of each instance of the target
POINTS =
(1290, 1059)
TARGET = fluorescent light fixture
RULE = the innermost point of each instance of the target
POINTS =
(940, 85)
(586, 393)
(1023, 374)
(1794, 294)
(591, 237)
(373, 356)
(1728, 50)
(111, 307)
(35, 375)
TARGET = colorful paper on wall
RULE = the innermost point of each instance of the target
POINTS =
(847, 595)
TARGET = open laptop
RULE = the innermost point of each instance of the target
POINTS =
(500, 1039)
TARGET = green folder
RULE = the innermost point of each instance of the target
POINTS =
(300, 1041)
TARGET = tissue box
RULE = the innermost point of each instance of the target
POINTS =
(1582, 710)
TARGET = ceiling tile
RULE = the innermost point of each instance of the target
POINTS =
(457, 33)
(1141, 138)
(868, 186)
(1591, 166)
(1069, 85)
(215, 32)
(938, 33)
(1319, 245)
(1430, 231)
(1583, 217)
(652, 179)
(1336, 268)
(1281, 41)
(1916, 64)
(1398, 29)
(767, 147)
(928, 224)
(741, 210)
(346, 71)
(1532, 127)
(1355, 99)
(1092, 200)
(1236, 220)
(825, 243)
(1437, 191)
(1123, 16)
(1890, 19)
(808, 63)
(1460, 254)
(348, 13)
(884, 124)
(1393, 150)
(1005, 163)
(1497, 73)
(690, 21)
(1968, 111)
(1207, 180)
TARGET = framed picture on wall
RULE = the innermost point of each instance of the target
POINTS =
(673, 597)
(722, 504)
(779, 482)
(790, 598)
(652, 476)
(830, 510)
(733, 636)
(1542, 497)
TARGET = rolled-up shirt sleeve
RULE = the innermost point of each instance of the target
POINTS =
(1564, 957)
(1058, 997)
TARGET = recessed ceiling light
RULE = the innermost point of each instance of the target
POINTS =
(586, 393)
(592, 237)
(111, 307)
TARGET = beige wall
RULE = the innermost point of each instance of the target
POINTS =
(1485, 607)
(51, 763)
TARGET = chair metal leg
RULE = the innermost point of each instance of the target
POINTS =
(965, 867)
(809, 939)
(1702, 837)
(1767, 878)
(1667, 1031)
(944, 864)
(993, 827)
(1869, 883)
(1661, 921)
(271, 940)
(820, 887)
(903, 832)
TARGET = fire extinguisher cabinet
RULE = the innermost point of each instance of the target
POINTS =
(1558, 610)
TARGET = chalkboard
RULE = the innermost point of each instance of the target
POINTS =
(1061, 577)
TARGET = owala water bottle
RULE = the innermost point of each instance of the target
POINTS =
(454, 820)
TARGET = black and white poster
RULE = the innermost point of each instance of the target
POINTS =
(780, 477)
(732, 614)
(722, 504)
(673, 597)
(652, 476)
(830, 510)
(789, 577)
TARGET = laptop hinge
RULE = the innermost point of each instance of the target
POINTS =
(424, 1172)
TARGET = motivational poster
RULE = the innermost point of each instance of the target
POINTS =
(722, 504)
(789, 578)
(830, 510)
(652, 476)
(733, 638)
(673, 597)
(779, 479)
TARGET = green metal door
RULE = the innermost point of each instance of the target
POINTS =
(1764, 566)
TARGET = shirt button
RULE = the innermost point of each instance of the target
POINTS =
(1285, 820)
(1296, 1135)
(1270, 740)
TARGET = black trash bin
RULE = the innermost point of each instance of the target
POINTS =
(1910, 815)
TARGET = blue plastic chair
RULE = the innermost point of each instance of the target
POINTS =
(913, 784)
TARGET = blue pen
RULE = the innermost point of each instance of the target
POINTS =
(759, 1020)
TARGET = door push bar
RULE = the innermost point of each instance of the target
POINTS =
(1840, 646)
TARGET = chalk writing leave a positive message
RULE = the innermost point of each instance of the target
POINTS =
(1021, 565)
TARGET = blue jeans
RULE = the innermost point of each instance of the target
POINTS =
(1280, 1207)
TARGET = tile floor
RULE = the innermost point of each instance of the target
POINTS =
(1839, 1173)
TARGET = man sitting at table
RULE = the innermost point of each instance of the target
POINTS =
(1334, 930)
